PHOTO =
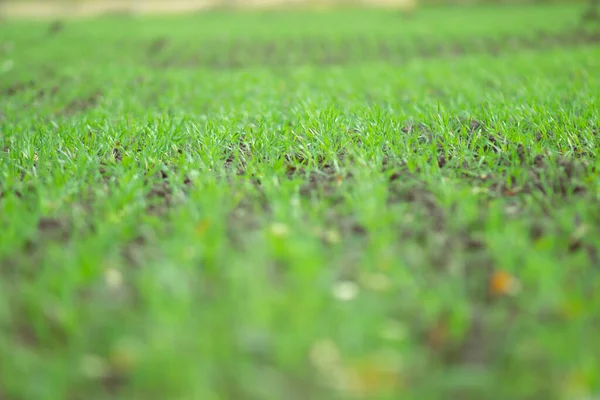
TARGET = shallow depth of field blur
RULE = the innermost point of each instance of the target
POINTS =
(305, 200)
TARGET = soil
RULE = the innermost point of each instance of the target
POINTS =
(82, 104)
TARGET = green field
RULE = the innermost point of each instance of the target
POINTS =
(344, 204)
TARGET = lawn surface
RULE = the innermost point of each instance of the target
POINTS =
(301, 206)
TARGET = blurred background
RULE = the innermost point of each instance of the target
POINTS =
(46, 8)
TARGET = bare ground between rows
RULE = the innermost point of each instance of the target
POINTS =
(46, 93)
(165, 53)
(232, 54)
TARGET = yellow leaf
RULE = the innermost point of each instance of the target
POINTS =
(502, 284)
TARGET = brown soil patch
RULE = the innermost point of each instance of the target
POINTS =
(81, 104)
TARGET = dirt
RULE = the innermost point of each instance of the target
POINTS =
(17, 88)
(82, 104)
(27, 334)
(324, 179)
(51, 226)
(159, 197)
(164, 192)
(591, 17)
(135, 250)
(41, 91)
(55, 28)
(117, 154)
(157, 46)
(114, 381)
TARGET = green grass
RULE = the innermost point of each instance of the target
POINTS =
(293, 206)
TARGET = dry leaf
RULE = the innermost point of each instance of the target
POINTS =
(513, 191)
(437, 336)
(502, 284)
